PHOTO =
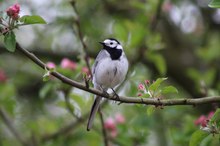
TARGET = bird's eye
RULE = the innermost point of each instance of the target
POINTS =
(111, 43)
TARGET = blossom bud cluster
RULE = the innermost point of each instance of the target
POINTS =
(3, 77)
(67, 64)
(142, 87)
(8, 23)
(13, 11)
(111, 124)
(204, 120)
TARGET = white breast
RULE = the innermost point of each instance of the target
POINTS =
(110, 73)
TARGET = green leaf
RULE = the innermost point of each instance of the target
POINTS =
(7, 101)
(61, 104)
(160, 64)
(216, 117)
(77, 98)
(156, 84)
(46, 76)
(34, 19)
(121, 31)
(52, 69)
(145, 95)
(150, 110)
(169, 89)
(10, 41)
(159, 61)
(69, 106)
(45, 90)
(197, 137)
(214, 4)
(74, 108)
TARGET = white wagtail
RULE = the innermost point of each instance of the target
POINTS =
(109, 70)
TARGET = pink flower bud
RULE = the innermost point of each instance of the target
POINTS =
(9, 12)
(85, 70)
(68, 64)
(167, 6)
(51, 65)
(202, 120)
(16, 8)
(3, 77)
(13, 11)
(15, 16)
(114, 133)
(110, 124)
(139, 94)
(147, 82)
(141, 87)
(210, 114)
(119, 118)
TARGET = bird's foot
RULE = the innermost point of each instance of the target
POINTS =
(115, 95)
(105, 92)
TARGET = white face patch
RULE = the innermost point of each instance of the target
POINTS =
(119, 46)
(112, 44)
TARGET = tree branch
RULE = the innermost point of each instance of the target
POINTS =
(85, 48)
(157, 16)
(122, 99)
(104, 133)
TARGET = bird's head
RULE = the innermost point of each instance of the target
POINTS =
(111, 43)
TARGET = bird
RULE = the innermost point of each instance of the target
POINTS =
(109, 70)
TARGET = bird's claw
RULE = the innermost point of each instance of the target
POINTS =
(115, 95)
(105, 92)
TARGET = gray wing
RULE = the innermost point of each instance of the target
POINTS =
(102, 54)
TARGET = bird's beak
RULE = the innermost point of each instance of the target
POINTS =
(102, 43)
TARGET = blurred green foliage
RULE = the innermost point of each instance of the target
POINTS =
(174, 39)
(214, 4)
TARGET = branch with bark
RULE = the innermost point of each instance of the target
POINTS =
(121, 99)
(104, 132)
(85, 48)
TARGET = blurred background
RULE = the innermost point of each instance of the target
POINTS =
(178, 39)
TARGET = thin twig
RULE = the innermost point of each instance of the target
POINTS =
(8, 123)
(85, 48)
(69, 107)
(131, 100)
(157, 16)
(104, 133)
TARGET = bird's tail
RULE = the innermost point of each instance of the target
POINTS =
(93, 112)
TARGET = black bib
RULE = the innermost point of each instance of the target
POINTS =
(114, 53)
